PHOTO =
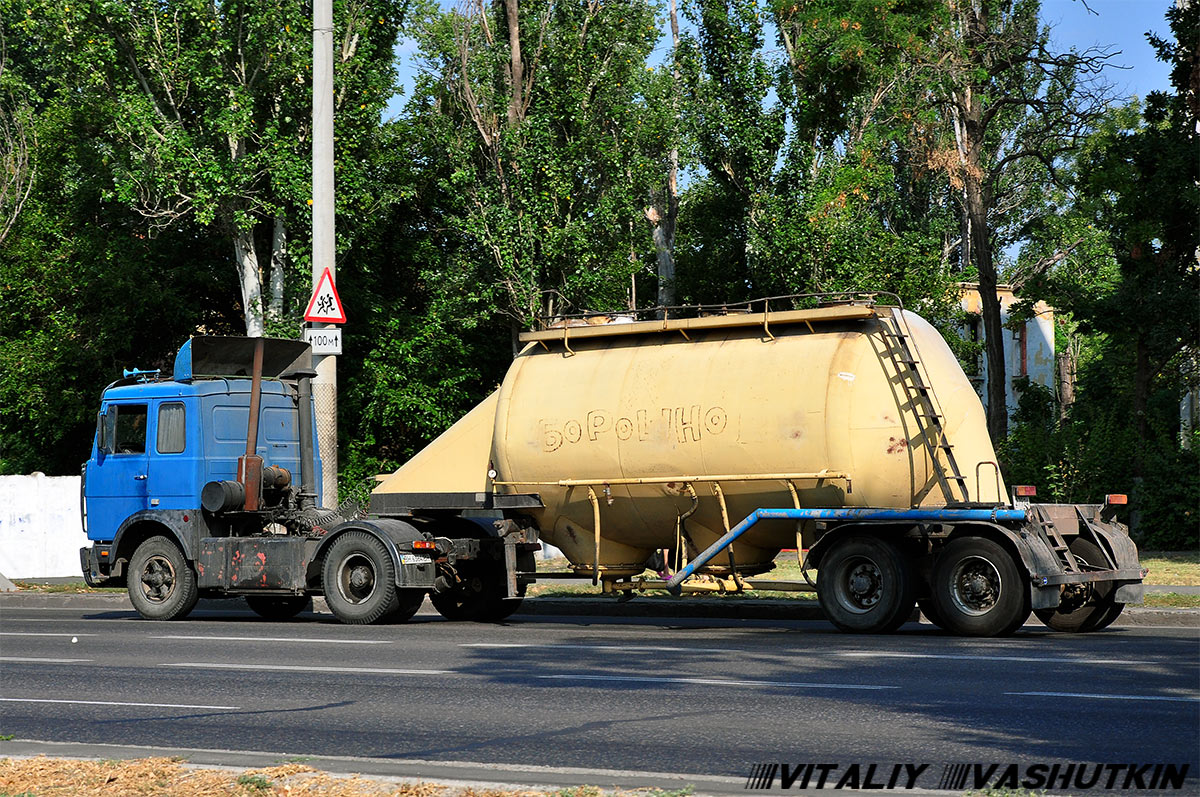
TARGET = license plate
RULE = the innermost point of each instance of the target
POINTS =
(414, 559)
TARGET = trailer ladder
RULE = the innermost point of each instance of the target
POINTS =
(919, 399)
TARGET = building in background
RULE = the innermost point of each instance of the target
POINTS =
(1028, 346)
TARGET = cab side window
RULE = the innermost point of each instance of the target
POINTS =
(172, 434)
(130, 435)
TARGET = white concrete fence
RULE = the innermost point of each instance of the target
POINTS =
(40, 528)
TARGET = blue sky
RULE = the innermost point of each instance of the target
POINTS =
(1119, 24)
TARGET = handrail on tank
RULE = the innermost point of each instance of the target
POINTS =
(918, 515)
(748, 306)
(725, 477)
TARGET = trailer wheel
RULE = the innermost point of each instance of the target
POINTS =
(278, 607)
(359, 579)
(865, 585)
(978, 589)
(161, 584)
(1089, 608)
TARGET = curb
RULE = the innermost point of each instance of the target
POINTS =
(659, 608)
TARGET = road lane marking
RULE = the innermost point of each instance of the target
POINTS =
(871, 654)
(221, 665)
(273, 639)
(631, 648)
(40, 633)
(710, 682)
(112, 703)
(43, 661)
(1107, 697)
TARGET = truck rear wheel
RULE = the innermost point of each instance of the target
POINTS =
(359, 579)
(278, 607)
(162, 585)
(865, 585)
(1090, 608)
(978, 589)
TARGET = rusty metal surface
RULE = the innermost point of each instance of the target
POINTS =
(251, 563)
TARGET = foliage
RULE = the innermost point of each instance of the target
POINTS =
(817, 142)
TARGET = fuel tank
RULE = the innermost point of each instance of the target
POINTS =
(668, 432)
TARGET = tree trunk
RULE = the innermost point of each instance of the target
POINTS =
(250, 278)
(1141, 399)
(1066, 378)
(664, 233)
(278, 269)
(989, 301)
(516, 69)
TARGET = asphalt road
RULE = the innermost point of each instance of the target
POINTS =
(705, 697)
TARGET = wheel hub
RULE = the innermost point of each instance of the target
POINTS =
(863, 586)
(976, 586)
(158, 579)
(356, 580)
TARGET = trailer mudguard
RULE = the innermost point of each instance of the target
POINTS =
(1124, 553)
(413, 570)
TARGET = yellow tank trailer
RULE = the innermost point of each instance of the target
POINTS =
(851, 426)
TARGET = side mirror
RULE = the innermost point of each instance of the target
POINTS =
(106, 425)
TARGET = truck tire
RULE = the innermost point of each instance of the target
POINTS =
(408, 602)
(1094, 608)
(161, 584)
(278, 607)
(359, 579)
(865, 585)
(486, 604)
(978, 589)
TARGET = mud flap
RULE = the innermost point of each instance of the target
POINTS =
(1125, 556)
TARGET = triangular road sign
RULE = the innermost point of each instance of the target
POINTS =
(325, 306)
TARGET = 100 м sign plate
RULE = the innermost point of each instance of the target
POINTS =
(324, 341)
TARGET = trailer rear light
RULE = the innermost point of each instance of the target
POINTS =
(1116, 498)
(424, 545)
(104, 553)
(1026, 490)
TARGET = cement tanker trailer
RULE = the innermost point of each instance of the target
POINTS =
(704, 445)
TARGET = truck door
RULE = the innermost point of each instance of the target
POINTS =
(116, 475)
(174, 472)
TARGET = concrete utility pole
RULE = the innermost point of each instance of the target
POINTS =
(324, 252)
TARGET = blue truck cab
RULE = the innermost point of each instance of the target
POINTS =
(205, 484)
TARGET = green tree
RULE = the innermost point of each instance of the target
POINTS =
(1015, 109)
(538, 113)
(210, 109)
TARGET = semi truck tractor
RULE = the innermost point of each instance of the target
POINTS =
(681, 450)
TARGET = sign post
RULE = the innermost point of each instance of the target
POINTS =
(323, 249)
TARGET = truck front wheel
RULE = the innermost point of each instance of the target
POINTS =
(865, 585)
(978, 589)
(359, 579)
(162, 585)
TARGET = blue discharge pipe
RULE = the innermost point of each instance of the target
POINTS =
(916, 515)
